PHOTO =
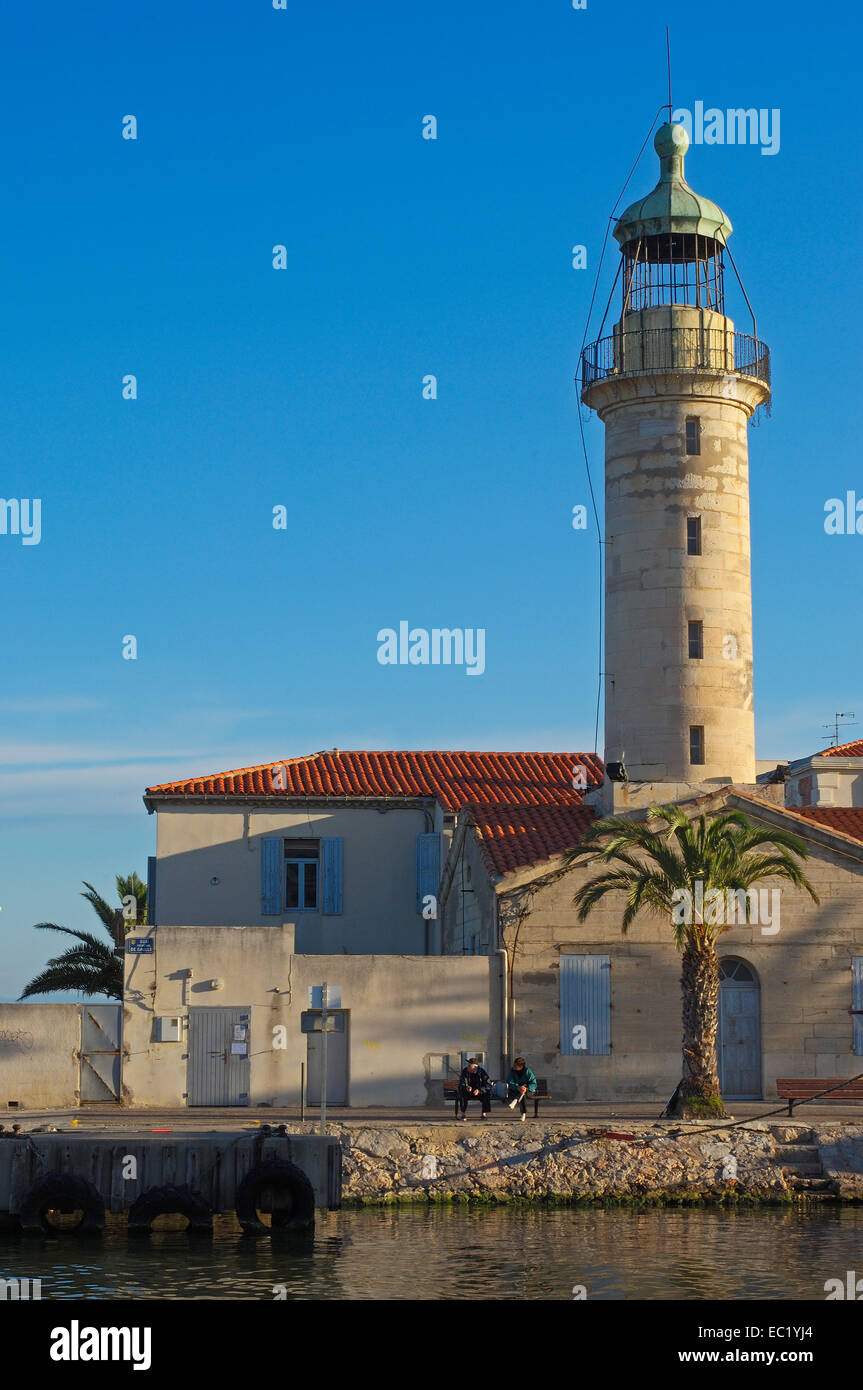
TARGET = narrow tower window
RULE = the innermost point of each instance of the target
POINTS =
(696, 641)
(693, 435)
(693, 535)
(696, 743)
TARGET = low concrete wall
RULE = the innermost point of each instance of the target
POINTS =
(38, 1055)
(403, 1014)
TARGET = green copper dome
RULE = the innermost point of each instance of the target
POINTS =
(672, 206)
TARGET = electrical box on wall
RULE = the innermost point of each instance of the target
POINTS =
(169, 1029)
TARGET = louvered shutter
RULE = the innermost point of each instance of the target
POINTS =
(428, 867)
(585, 1002)
(331, 875)
(271, 876)
(151, 890)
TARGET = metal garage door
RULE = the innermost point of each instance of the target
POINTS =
(219, 1044)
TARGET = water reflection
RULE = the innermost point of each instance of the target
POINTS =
(435, 1254)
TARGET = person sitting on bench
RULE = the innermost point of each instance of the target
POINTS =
(474, 1081)
(520, 1084)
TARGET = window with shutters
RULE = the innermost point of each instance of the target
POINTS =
(301, 875)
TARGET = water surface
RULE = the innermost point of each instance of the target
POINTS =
(439, 1253)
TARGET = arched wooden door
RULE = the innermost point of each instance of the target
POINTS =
(738, 1040)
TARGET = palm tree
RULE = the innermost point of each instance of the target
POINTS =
(663, 870)
(94, 967)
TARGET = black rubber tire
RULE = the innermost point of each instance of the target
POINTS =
(66, 1193)
(160, 1201)
(276, 1173)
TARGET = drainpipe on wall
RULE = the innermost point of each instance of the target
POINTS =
(429, 820)
(504, 1007)
(506, 986)
(511, 1007)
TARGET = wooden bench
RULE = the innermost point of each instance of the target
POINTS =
(806, 1087)
(450, 1092)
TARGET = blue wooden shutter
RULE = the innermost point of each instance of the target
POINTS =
(271, 876)
(585, 1001)
(151, 890)
(857, 1002)
(428, 867)
(331, 874)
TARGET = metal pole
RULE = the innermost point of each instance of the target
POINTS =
(302, 1091)
(323, 1059)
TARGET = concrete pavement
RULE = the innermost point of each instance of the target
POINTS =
(115, 1119)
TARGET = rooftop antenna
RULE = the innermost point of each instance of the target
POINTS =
(847, 717)
(668, 61)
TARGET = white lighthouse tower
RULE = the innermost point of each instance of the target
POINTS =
(675, 386)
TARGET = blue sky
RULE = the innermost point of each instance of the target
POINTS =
(302, 387)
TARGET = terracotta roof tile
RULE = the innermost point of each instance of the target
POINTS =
(456, 778)
(847, 819)
(518, 837)
(844, 750)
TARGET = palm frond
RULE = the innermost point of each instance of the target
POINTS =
(93, 966)
(103, 910)
(647, 864)
(95, 942)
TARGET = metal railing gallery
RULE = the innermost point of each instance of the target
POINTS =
(648, 350)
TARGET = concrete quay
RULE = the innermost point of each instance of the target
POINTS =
(51, 1170)
(573, 1153)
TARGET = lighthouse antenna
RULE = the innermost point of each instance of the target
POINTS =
(668, 62)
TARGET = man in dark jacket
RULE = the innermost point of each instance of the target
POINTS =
(474, 1081)
(520, 1084)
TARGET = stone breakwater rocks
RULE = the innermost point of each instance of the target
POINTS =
(546, 1161)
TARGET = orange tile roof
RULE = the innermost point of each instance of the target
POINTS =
(848, 819)
(524, 779)
(844, 750)
(520, 837)
(524, 806)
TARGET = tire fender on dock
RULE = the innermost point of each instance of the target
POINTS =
(63, 1192)
(164, 1201)
(276, 1173)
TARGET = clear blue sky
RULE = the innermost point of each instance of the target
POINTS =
(303, 387)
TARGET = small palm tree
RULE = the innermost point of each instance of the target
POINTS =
(662, 871)
(94, 967)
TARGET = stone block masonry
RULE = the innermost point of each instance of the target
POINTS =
(540, 1162)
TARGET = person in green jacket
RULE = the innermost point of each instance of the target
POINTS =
(520, 1083)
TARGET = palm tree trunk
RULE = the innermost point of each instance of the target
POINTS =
(699, 1093)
